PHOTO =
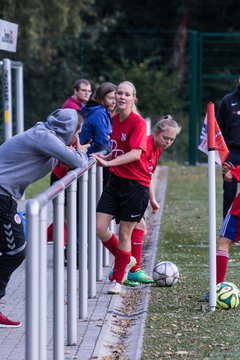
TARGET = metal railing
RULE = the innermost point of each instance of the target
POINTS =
(7, 66)
(88, 181)
(92, 256)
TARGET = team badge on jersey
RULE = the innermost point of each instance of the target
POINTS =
(124, 137)
(17, 219)
(115, 151)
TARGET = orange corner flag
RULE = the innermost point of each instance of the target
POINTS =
(211, 137)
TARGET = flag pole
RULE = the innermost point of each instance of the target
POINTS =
(211, 205)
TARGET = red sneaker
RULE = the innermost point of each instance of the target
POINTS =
(7, 323)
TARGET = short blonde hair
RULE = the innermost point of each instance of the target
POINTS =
(166, 122)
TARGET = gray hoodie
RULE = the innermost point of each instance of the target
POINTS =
(29, 156)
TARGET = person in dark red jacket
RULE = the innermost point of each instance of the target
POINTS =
(228, 118)
(81, 94)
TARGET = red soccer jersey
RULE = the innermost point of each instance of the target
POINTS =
(127, 135)
(153, 154)
(235, 208)
(60, 170)
(236, 172)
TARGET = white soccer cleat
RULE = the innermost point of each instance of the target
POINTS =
(114, 288)
(131, 263)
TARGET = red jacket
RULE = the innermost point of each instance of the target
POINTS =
(72, 103)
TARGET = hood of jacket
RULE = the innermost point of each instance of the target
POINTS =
(91, 106)
(64, 123)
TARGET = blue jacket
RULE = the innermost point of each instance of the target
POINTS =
(98, 127)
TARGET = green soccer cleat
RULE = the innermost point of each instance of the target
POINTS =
(140, 276)
(130, 283)
(127, 282)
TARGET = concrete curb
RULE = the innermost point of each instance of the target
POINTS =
(123, 332)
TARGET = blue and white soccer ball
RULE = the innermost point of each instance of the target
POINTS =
(166, 273)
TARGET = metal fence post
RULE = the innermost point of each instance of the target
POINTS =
(58, 271)
(43, 283)
(32, 281)
(193, 98)
(71, 263)
(83, 245)
(7, 98)
(92, 232)
(99, 246)
(20, 101)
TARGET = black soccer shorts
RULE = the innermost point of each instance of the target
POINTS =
(12, 240)
(125, 199)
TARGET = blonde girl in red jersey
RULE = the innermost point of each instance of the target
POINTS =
(163, 135)
(127, 194)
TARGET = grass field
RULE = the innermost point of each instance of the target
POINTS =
(38, 187)
(176, 328)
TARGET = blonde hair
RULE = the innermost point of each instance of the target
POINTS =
(134, 107)
(166, 122)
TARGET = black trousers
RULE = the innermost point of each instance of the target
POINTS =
(12, 241)
(230, 188)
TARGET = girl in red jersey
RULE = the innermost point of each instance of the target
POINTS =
(163, 135)
(230, 229)
(127, 194)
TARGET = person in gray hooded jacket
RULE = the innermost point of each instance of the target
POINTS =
(25, 158)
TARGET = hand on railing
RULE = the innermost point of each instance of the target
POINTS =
(79, 147)
(102, 160)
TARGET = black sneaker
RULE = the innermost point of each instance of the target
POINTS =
(204, 298)
(65, 258)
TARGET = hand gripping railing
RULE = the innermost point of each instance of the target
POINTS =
(90, 186)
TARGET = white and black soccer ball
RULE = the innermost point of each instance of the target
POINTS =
(165, 273)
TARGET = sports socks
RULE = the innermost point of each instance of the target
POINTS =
(222, 264)
(122, 259)
(112, 244)
(136, 243)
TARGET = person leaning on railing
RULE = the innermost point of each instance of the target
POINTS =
(25, 158)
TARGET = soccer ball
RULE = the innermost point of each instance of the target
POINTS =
(165, 273)
(227, 296)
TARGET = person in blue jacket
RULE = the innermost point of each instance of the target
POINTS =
(98, 125)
